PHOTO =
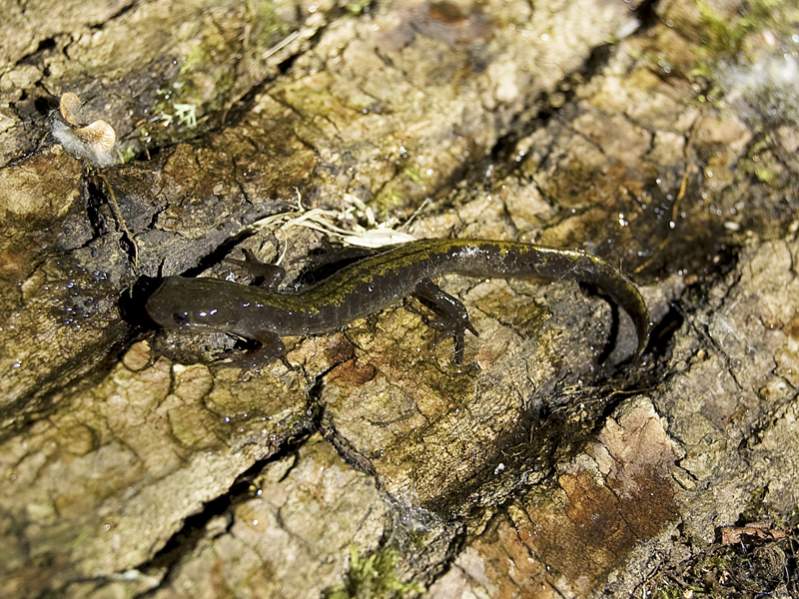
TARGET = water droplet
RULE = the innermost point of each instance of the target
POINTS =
(732, 226)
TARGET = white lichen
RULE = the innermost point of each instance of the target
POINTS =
(185, 115)
(766, 90)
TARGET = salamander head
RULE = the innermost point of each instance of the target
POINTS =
(190, 304)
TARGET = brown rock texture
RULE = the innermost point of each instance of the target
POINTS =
(658, 135)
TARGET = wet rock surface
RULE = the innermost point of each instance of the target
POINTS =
(547, 464)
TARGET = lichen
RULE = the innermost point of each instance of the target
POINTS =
(725, 39)
(205, 83)
(356, 7)
(267, 25)
(372, 577)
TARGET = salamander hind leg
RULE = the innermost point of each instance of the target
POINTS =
(453, 318)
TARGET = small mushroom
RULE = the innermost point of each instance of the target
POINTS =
(93, 142)
(99, 134)
(69, 107)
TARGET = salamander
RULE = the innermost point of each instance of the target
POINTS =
(264, 313)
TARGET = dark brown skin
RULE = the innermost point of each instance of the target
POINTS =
(371, 284)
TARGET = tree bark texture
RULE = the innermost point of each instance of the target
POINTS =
(638, 130)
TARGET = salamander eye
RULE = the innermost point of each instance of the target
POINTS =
(180, 317)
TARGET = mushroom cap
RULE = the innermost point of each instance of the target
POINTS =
(99, 134)
(69, 107)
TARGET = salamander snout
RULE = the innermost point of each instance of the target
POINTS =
(166, 308)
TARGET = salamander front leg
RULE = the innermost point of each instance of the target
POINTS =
(452, 315)
(265, 275)
(270, 347)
